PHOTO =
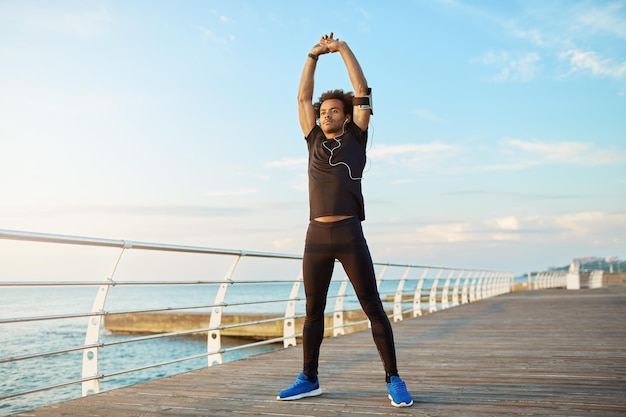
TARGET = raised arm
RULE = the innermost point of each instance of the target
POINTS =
(360, 116)
(306, 111)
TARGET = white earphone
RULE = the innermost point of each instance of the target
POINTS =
(332, 151)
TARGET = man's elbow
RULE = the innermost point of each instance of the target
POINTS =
(304, 97)
(304, 100)
(362, 89)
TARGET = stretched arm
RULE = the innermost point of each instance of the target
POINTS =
(360, 116)
(306, 111)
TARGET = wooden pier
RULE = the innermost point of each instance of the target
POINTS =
(532, 353)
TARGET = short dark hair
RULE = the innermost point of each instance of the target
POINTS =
(345, 98)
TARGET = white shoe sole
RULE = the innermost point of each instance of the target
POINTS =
(313, 393)
(401, 404)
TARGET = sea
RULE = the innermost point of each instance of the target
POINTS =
(25, 338)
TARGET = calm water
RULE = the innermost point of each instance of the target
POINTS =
(26, 338)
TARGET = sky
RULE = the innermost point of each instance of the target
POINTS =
(497, 141)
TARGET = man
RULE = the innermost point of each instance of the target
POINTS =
(336, 161)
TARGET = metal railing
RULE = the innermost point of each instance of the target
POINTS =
(595, 278)
(407, 291)
(547, 279)
(559, 279)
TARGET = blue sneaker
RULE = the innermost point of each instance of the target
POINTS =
(301, 388)
(398, 394)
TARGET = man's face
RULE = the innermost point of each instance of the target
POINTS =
(332, 117)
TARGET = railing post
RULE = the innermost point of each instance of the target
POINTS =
(472, 288)
(484, 282)
(479, 286)
(573, 276)
(338, 324)
(595, 278)
(498, 283)
(92, 335)
(289, 325)
(379, 281)
(484, 293)
(488, 288)
(417, 297)
(475, 285)
(503, 279)
(455, 290)
(432, 299)
(397, 300)
(505, 283)
(445, 303)
(214, 339)
(379, 278)
(464, 291)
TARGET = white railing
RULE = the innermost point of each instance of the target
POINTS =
(549, 279)
(595, 278)
(402, 287)
(559, 279)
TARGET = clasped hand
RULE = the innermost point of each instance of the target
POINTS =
(326, 44)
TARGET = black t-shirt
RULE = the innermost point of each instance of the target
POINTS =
(335, 171)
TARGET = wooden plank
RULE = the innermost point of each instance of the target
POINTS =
(535, 353)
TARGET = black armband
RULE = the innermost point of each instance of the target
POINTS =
(365, 102)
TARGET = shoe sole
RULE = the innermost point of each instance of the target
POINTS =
(313, 393)
(402, 404)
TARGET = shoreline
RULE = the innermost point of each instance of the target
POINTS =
(155, 323)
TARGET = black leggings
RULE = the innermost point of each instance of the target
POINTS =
(344, 241)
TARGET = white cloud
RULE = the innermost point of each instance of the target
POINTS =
(407, 154)
(593, 225)
(214, 38)
(505, 228)
(243, 191)
(514, 154)
(289, 163)
(508, 166)
(511, 66)
(605, 19)
(282, 244)
(587, 229)
(577, 153)
(402, 181)
(507, 237)
(427, 115)
(413, 155)
(498, 229)
(558, 28)
(507, 223)
(533, 35)
(443, 233)
(591, 61)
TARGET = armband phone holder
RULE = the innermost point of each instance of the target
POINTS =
(364, 102)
